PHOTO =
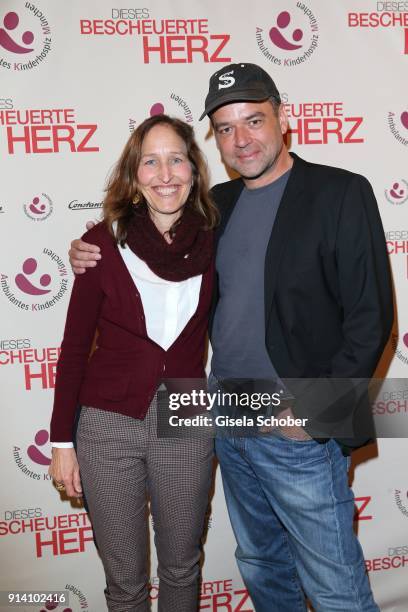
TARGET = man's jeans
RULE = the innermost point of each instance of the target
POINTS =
(291, 510)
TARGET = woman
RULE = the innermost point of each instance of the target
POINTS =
(149, 300)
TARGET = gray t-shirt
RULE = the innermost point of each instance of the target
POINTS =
(238, 336)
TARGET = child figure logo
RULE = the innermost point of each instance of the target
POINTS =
(76, 596)
(53, 606)
(398, 125)
(35, 454)
(44, 279)
(293, 37)
(404, 119)
(400, 347)
(398, 192)
(181, 111)
(25, 37)
(157, 109)
(33, 207)
(25, 285)
(10, 22)
(39, 208)
(278, 39)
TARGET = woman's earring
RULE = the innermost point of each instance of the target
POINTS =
(136, 199)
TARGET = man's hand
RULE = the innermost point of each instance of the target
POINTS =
(64, 469)
(292, 431)
(289, 431)
(83, 255)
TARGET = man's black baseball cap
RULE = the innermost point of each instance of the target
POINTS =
(239, 83)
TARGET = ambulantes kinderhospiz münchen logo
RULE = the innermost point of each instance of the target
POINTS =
(38, 207)
(174, 105)
(398, 125)
(39, 283)
(291, 37)
(397, 193)
(25, 36)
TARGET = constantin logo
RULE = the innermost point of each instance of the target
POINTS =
(398, 125)
(398, 192)
(25, 37)
(39, 208)
(77, 205)
(292, 37)
(39, 284)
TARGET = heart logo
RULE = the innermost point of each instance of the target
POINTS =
(405, 339)
(404, 119)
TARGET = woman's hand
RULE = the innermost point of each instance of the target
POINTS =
(64, 469)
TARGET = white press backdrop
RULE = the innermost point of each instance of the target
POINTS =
(74, 80)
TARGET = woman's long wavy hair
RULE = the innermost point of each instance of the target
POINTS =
(122, 187)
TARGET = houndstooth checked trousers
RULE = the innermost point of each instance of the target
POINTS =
(122, 461)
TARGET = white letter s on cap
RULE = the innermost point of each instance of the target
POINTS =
(225, 80)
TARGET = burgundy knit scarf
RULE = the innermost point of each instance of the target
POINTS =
(189, 254)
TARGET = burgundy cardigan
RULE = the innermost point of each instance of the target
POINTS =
(124, 371)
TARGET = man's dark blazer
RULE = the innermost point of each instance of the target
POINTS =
(328, 296)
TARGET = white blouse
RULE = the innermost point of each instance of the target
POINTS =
(168, 306)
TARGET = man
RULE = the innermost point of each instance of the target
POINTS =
(303, 298)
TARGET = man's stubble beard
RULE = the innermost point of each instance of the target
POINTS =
(264, 170)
